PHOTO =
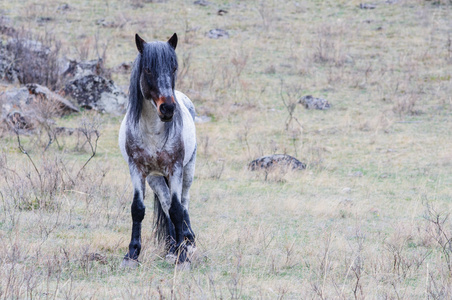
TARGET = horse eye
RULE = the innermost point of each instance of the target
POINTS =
(147, 70)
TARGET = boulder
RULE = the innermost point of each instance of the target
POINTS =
(310, 102)
(72, 68)
(96, 92)
(85, 83)
(15, 112)
(271, 162)
(65, 106)
(23, 108)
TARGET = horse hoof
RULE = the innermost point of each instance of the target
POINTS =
(171, 258)
(129, 263)
(191, 250)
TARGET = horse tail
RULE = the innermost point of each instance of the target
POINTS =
(161, 226)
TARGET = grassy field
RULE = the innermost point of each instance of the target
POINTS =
(368, 218)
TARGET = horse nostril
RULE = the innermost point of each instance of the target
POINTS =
(167, 109)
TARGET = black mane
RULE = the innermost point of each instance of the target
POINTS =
(157, 58)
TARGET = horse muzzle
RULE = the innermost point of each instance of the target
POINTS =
(166, 111)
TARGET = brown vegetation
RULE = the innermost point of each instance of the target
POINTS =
(368, 218)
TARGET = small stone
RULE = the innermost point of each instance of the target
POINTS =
(217, 34)
(201, 2)
(356, 174)
(63, 7)
(367, 6)
(222, 12)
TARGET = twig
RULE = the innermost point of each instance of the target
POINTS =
(93, 148)
(21, 148)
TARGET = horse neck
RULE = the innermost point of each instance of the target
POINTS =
(149, 119)
(153, 129)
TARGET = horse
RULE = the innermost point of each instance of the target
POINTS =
(157, 139)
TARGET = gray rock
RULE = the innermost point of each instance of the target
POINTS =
(367, 6)
(21, 108)
(64, 7)
(98, 93)
(48, 95)
(276, 160)
(73, 68)
(201, 2)
(14, 109)
(310, 102)
(217, 34)
(86, 85)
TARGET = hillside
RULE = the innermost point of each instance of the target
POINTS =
(369, 217)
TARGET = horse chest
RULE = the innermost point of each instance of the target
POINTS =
(149, 160)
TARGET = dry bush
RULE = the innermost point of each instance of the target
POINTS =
(440, 230)
(46, 110)
(266, 13)
(92, 48)
(405, 105)
(39, 185)
(290, 97)
(329, 48)
(35, 187)
(36, 58)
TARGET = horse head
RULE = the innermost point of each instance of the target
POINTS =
(158, 74)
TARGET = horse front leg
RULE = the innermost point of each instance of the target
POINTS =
(138, 212)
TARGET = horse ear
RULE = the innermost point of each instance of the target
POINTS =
(173, 41)
(140, 43)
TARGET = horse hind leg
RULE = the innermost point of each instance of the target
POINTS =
(163, 227)
(177, 214)
(170, 204)
(189, 235)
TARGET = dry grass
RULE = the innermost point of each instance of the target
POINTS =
(368, 218)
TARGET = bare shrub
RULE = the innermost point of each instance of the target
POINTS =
(184, 70)
(328, 46)
(405, 105)
(39, 185)
(266, 13)
(36, 58)
(93, 48)
(36, 187)
(46, 110)
(290, 97)
(90, 129)
(440, 230)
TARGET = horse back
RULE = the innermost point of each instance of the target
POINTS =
(183, 99)
(188, 127)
